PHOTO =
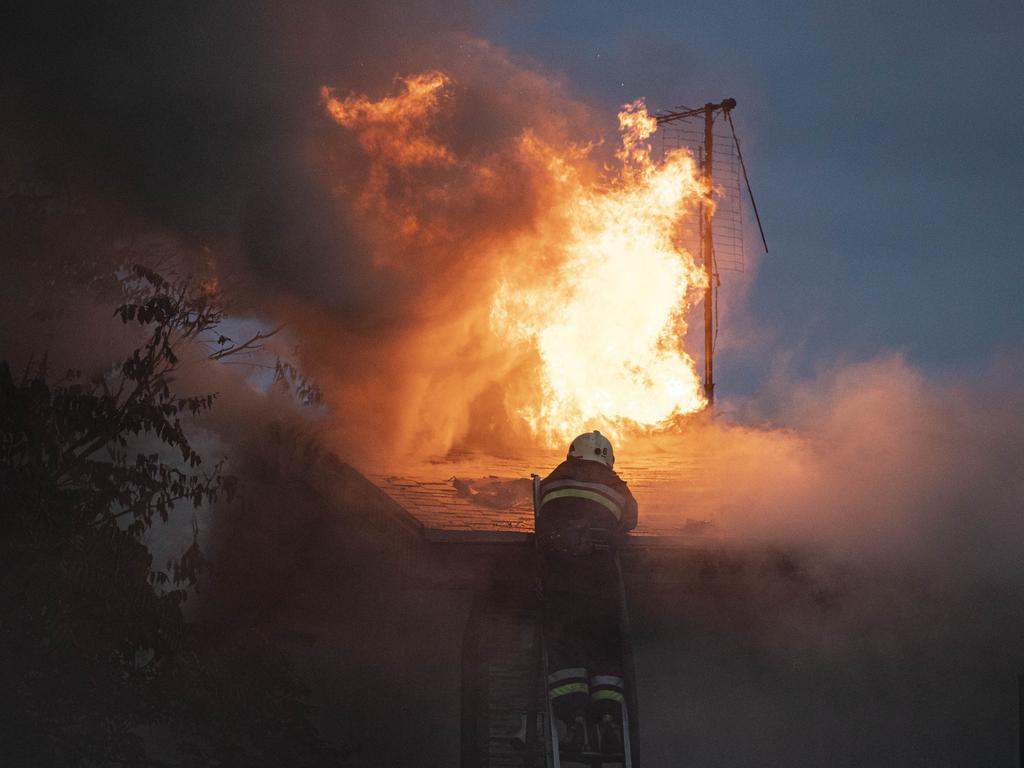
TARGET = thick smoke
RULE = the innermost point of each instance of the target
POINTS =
(210, 123)
(879, 464)
(437, 193)
(864, 608)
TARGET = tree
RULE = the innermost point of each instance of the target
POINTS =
(94, 643)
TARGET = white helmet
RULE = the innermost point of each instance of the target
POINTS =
(592, 446)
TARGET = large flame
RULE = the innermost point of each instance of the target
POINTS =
(608, 323)
(594, 287)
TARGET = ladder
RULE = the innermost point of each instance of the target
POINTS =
(506, 721)
(552, 753)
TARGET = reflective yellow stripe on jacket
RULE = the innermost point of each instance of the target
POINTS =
(605, 496)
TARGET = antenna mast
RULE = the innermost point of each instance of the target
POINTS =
(707, 245)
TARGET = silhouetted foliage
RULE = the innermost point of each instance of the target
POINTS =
(97, 660)
(291, 379)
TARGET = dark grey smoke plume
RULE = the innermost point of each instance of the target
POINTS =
(206, 122)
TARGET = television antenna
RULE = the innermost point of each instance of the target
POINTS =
(707, 245)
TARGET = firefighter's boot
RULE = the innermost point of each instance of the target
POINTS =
(610, 735)
(573, 738)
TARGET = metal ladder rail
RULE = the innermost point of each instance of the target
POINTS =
(554, 759)
(627, 659)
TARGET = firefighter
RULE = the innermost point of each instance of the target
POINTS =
(584, 507)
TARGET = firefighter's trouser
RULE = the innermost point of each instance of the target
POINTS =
(581, 630)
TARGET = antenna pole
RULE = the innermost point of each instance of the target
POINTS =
(707, 251)
(707, 245)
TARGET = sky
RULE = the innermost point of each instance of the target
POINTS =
(884, 142)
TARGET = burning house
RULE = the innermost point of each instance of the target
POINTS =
(462, 267)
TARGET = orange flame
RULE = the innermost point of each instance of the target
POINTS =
(608, 322)
(391, 128)
(595, 287)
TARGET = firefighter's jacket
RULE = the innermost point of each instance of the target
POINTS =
(583, 505)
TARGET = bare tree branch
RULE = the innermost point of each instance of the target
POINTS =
(251, 344)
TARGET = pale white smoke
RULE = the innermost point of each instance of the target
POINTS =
(880, 464)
